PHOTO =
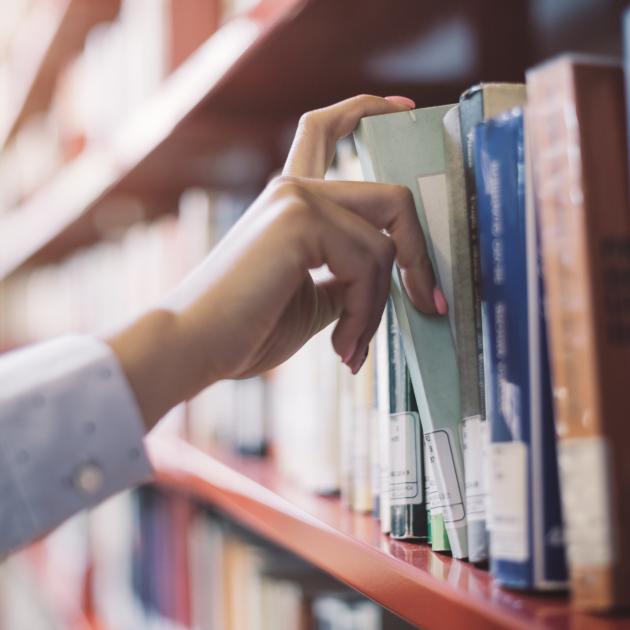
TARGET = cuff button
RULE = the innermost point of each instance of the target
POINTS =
(89, 478)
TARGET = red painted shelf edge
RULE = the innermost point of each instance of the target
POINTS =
(368, 562)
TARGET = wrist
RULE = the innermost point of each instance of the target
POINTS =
(150, 353)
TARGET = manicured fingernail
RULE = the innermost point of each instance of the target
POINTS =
(401, 100)
(440, 301)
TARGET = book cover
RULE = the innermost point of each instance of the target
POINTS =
(476, 104)
(407, 148)
(577, 124)
(524, 517)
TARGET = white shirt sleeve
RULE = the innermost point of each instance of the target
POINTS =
(70, 435)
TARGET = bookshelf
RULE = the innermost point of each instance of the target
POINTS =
(53, 32)
(427, 589)
(240, 95)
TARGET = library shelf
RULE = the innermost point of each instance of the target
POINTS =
(430, 590)
(225, 117)
(52, 33)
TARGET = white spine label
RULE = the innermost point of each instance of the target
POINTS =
(449, 498)
(585, 482)
(474, 430)
(405, 486)
(507, 514)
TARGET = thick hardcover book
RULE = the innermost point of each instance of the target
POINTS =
(577, 125)
(407, 148)
(524, 515)
(479, 103)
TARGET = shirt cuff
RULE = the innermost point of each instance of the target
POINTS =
(71, 434)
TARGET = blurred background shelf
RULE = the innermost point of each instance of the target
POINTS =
(53, 33)
(225, 118)
(427, 589)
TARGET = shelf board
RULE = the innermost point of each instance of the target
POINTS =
(52, 33)
(430, 590)
(225, 117)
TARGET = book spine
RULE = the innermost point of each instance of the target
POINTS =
(383, 404)
(463, 310)
(475, 431)
(550, 567)
(500, 199)
(578, 137)
(406, 492)
(406, 488)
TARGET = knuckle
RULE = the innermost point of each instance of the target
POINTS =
(361, 98)
(310, 120)
(402, 196)
(286, 186)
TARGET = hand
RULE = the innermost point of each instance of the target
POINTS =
(252, 303)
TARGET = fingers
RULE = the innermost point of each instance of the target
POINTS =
(391, 208)
(318, 131)
(359, 257)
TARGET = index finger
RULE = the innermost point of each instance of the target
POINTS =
(318, 131)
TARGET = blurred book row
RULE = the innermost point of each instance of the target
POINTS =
(112, 55)
(159, 561)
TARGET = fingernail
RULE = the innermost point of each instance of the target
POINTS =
(401, 100)
(440, 301)
(359, 365)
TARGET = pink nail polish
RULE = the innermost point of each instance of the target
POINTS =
(440, 301)
(401, 100)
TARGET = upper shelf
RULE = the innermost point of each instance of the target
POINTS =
(428, 589)
(53, 32)
(224, 118)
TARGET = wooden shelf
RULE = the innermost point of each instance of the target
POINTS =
(224, 118)
(428, 589)
(53, 32)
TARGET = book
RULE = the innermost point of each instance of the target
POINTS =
(382, 362)
(408, 519)
(407, 148)
(578, 132)
(476, 104)
(524, 516)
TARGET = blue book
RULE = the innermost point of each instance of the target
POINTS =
(525, 519)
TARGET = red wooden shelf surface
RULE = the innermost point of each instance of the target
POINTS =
(428, 589)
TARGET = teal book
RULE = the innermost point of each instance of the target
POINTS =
(407, 148)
